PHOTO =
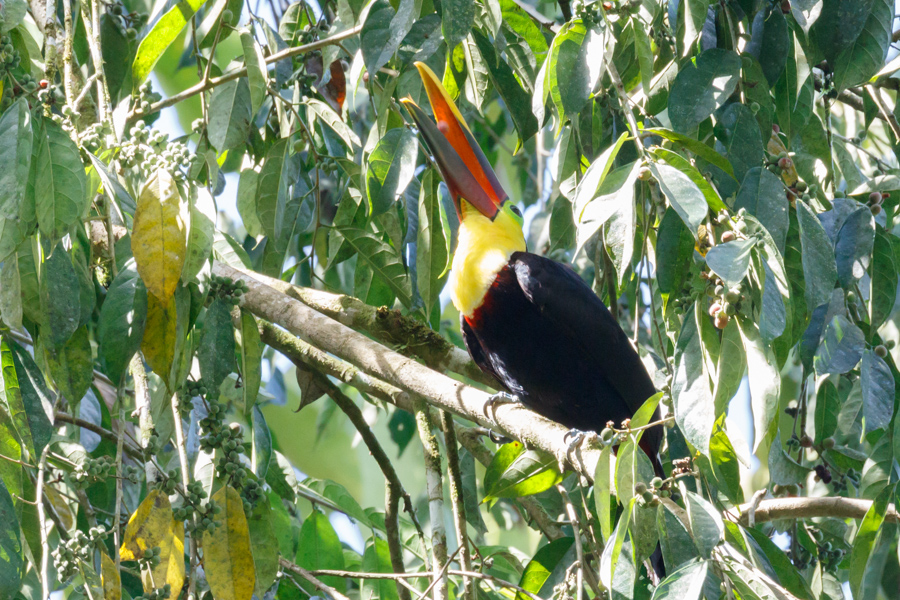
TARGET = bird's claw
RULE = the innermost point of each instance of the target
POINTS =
(490, 406)
(574, 438)
(498, 438)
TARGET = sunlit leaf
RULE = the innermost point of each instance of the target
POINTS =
(159, 238)
(227, 558)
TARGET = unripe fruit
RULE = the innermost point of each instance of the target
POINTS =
(881, 351)
(714, 309)
(876, 210)
(721, 321)
(875, 198)
(644, 174)
(828, 443)
(785, 163)
(227, 15)
(806, 442)
(640, 487)
(728, 236)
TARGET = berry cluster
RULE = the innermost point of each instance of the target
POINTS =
(78, 547)
(650, 496)
(226, 289)
(151, 558)
(153, 445)
(147, 96)
(194, 507)
(875, 200)
(158, 594)
(167, 482)
(726, 301)
(129, 22)
(150, 149)
(92, 470)
(230, 440)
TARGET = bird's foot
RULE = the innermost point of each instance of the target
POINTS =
(574, 438)
(490, 406)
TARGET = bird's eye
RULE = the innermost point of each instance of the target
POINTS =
(516, 210)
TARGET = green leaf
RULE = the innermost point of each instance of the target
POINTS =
(697, 147)
(707, 528)
(884, 280)
(819, 267)
(246, 201)
(595, 175)
(866, 536)
(684, 165)
(230, 111)
(377, 559)
(320, 548)
(603, 488)
(784, 470)
(762, 194)
(264, 545)
(516, 472)
(683, 195)
(216, 352)
(391, 167)
(383, 259)
(674, 538)
(827, 408)
(542, 565)
(334, 121)
(432, 247)
(841, 347)
(121, 325)
(71, 366)
(701, 87)
(257, 72)
(694, 408)
(878, 469)
(26, 396)
(262, 444)
(337, 495)
(724, 460)
(60, 308)
(293, 22)
(877, 384)
(739, 133)
(11, 309)
(674, 253)
(731, 261)
(773, 315)
(164, 32)
(865, 56)
(853, 247)
(60, 186)
(515, 17)
(730, 368)
(384, 30)
(632, 466)
(575, 64)
(251, 349)
(684, 584)
(12, 563)
(812, 152)
(201, 234)
(456, 20)
(515, 98)
(12, 14)
(272, 191)
(764, 379)
(15, 152)
(113, 188)
(615, 193)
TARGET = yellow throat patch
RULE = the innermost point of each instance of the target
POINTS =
(484, 249)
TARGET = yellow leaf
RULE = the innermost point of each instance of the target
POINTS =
(150, 524)
(61, 505)
(159, 237)
(227, 559)
(109, 576)
(153, 525)
(165, 332)
(171, 564)
(92, 583)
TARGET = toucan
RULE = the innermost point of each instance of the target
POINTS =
(527, 320)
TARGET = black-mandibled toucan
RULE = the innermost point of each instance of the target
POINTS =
(527, 320)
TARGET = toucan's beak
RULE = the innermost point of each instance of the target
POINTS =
(463, 165)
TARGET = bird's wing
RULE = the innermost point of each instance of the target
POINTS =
(473, 345)
(562, 297)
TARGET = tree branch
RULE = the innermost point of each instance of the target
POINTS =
(435, 489)
(809, 508)
(242, 72)
(318, 584)
(438, 390)
(388, 326)
(454, 478)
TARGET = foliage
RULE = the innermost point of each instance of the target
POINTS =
(723, 173)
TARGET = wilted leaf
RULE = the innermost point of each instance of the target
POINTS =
(227, 558)
(153, 526)
(159, 238)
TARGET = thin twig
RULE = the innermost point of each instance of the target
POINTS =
(242, 72)
(435, 491)
(875, 94)
(181, 447)
(104, 433)
(42, 524)
(318, 584)
(392, 531)
(454, 478)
